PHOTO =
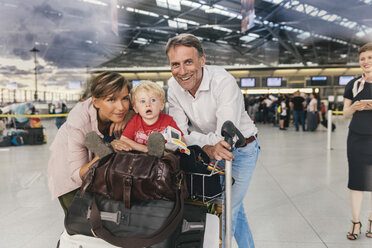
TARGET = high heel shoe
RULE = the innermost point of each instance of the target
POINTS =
(369, 229)
(351, 235)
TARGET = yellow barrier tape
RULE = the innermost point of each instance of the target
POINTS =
(338, 112)
(39, 116)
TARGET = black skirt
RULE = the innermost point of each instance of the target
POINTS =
(359, 155)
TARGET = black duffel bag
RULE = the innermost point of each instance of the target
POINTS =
(147, 223)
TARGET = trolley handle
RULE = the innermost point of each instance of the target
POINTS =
(229, 131)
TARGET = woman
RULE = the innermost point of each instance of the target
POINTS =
(359, 141)
(106, 113)
(311, 113)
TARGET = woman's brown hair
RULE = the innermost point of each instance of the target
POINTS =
(365, 48)
(107, 83)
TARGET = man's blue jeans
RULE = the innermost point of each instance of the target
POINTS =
(299, 115)
(242, 171)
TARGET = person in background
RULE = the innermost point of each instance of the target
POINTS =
(311, 118)
(22, 109)
(283, 113)
(298, 104)
(106, 113)
(207, 96)
(358, 106)
(60, 108)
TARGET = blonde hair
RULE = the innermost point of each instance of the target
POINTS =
(147, 86)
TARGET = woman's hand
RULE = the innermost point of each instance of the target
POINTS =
(359, 106)
(117, 128)
(368, 105)
(350, 108)
(120, 145)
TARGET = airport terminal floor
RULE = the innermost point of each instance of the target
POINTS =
(297, 199)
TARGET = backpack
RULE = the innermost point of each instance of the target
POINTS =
(279, 109)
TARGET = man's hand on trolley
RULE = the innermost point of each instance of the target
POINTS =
(219, 151)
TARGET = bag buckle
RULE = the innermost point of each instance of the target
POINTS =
(179, 177)
(108, 216)
(94, 234)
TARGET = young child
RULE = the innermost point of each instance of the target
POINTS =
(283, 114)
(148, 100)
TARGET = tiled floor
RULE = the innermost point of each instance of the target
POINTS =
(297, 199)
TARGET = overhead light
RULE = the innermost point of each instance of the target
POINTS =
(169, 4)
(249, 37)
(191, 4)
(162, 3)
(215, 9)
(174, 4)
(175, 24)
(303, 35)
(222, 29)
(187, 21)
(142, 12)
(222, 41)
(96, 2)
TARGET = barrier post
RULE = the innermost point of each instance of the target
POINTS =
(329, 130)
(228, 207)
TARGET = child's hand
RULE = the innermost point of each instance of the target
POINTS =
(120, 145)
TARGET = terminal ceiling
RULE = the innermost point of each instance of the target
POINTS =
(78, 33)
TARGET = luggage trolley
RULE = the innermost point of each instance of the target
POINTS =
(230, 133)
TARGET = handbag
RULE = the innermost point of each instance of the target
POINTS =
(135, 176)
(146, 224)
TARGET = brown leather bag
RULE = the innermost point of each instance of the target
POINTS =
(134, 176)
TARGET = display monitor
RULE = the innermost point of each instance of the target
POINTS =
(274, 82)
(247, 82)
(319, 81)
(343, 80)
(74, 85)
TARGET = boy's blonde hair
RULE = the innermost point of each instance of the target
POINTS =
(147, 86)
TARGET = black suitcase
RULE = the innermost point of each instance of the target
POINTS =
(190, 232)
(35, 136)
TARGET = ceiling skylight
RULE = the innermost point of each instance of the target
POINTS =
(142, 12)
(96, 2)
(169, 4)
(323, 14)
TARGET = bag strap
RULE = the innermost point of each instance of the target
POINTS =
(127, 183)
(168, 227)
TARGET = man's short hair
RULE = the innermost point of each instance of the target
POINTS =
(150, 87)
(187, 40)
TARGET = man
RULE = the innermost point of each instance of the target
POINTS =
(207, 96)
(22, 109)
(298, 104)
